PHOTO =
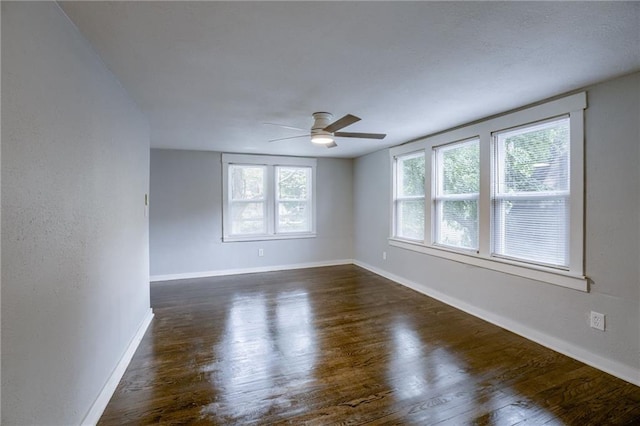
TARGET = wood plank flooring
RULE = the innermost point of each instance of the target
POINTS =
(340, 345)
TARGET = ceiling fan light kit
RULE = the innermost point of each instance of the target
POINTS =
(322, 139)
(323, 131)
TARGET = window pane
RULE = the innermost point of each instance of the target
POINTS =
(411, 175)
(247, 182)
(457, 172)
(532, 163)
(247, 218)
(533, 230)
(461, 168)
(458, 223)
(535, 158)
(293, 216)
(410, 217)
(293, 183)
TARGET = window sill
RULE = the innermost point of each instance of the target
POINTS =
(268, 237)
(546, 275)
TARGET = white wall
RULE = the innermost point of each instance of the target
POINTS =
(554, 315)
(75, 169)
(186, 219)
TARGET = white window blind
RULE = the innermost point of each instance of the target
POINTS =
(531, 191)
(455, 201)
(409, 200)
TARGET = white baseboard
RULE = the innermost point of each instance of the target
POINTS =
(612, 367)
(96, 410)
(222, 272)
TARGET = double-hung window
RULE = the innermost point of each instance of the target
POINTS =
(409, 196)
(267, 197)
(293, 199)
(506, 193)
(530, 201)
(455, 196)
(247, 200)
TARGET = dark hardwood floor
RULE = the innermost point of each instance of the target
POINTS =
(340, 345)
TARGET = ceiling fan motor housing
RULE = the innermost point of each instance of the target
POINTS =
(322, 120)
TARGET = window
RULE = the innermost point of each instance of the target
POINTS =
(505, 193)
(457, 186)
(409, 199)
(268, 197)
(247, 204)
(293, 199)
(530, 202)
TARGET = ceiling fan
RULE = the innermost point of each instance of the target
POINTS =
(324, 132)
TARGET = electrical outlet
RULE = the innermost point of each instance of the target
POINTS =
(384, 255)
(260, 252)
(597, 321)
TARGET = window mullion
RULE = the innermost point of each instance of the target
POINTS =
(270, 196)
(484, 198)
(428, 199)
(435, 207)
(576, 187)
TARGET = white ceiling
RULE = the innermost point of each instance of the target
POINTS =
(208, 74)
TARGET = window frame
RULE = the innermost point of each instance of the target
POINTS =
(497, 163)
(271, 202)
(573, 277)
(437, 198)
(398, 199)
(262, 200)
(278, 199)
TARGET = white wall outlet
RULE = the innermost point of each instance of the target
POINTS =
(260, 252)
(597, 321)
(384, 255)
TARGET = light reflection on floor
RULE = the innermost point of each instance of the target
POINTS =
(249, 386)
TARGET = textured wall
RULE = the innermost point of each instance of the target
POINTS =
(75, 167)
(554, 314)
(186, 218)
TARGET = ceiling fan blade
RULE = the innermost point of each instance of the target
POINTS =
(342, 122)
(360, 135)
(285, 126)
(331, 145)
(292, 137)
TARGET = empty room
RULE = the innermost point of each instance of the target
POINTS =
(388, 213)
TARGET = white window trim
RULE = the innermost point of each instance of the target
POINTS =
(437, 198)
(270, 162)
(396, 198)
(529, 196)
(574, 278)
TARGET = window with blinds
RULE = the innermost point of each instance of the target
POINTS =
(457, 187)
(506, 193)
(531, 192)
(409, 196)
